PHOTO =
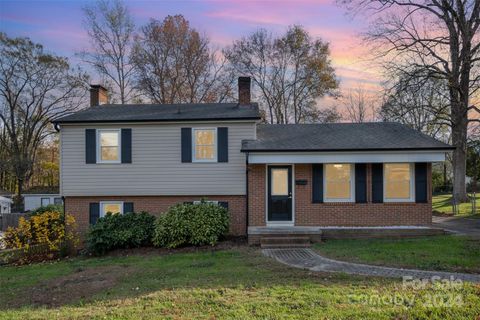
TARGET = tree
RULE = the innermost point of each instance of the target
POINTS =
(360, 105)
(110, 28)
(441, 39)
(419, 103)
(35, 88)
(291, 72)
(175, 64)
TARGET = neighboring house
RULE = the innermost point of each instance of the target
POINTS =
(36, 197)
(122, 158)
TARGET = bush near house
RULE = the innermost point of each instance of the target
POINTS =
(191, 224)
(49, 208)
(120, 231)
(48, 229)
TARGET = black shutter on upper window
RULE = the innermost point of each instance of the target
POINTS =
(377, 182)
(94, 212)
(90, 146)
(317, 183)
(222, 144)
(128, 207)
(126, 145)
(186, 144)
(360, 183)
(421, 192)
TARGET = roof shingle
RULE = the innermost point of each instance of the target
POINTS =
(163, 112)
(373, 136)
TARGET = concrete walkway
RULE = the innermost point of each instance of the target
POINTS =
(459, 225)
(309, 259)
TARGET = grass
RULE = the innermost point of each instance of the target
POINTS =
(238, 284)
(447, 253)
(443, 204)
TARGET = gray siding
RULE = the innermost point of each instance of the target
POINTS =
(156, 167)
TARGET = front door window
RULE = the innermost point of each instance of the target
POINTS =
(280, 193)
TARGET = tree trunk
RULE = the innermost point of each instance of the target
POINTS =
(459, 138)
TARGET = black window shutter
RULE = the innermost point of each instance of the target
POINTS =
(223, 204)
(421, 193)
(222, 144)
(186, 144)
(94, 212)
(377, 182)
(90, 146)
(128, 207)
(360, 183)
(126, 145)
(317, 183)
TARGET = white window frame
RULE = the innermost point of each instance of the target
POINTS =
(352, 184)
(206, 201)
(215, 147)
(412, 184)
(99, 147)
(103, 203)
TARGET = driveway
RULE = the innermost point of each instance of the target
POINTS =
(458, 225)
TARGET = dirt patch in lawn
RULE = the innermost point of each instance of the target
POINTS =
(80, 285)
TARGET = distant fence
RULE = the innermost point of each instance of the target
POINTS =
(9, 220)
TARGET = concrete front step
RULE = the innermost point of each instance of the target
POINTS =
(283, 241)
(285, 245)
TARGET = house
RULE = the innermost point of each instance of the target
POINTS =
(301, 178)
(40, 196)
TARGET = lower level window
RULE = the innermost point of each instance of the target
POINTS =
(113, 207)
(45, 201)
(338, 182)
(398, 182)
(206, 201)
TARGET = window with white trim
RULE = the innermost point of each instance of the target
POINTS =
(113, 207)
(205, 201)
(204, 145)
(108, 146)
(44, 202)
(398, 182)
(338, 182)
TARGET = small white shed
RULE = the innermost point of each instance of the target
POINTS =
(5, 205)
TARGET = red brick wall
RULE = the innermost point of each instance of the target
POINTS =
(336, 214)
(79, 207)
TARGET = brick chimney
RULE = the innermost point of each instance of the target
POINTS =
(98, 95)
(244, 90)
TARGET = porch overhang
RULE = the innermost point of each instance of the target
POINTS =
(347, 156)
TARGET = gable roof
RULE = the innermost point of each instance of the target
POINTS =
(373, 136)
(163, 112)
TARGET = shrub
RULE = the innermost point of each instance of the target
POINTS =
(46, 228)
(48, 208)
(120, 231)
(185, 224)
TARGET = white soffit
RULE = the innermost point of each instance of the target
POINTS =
(346, 157)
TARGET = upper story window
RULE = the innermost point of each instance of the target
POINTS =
(108, 146)
(398, 182)
(205, 145)
(113, 207)
(338, 181)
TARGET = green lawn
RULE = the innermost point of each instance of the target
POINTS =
(448, 253)
(443, 203)
(238, 284)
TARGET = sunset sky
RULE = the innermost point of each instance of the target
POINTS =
(58, 26)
